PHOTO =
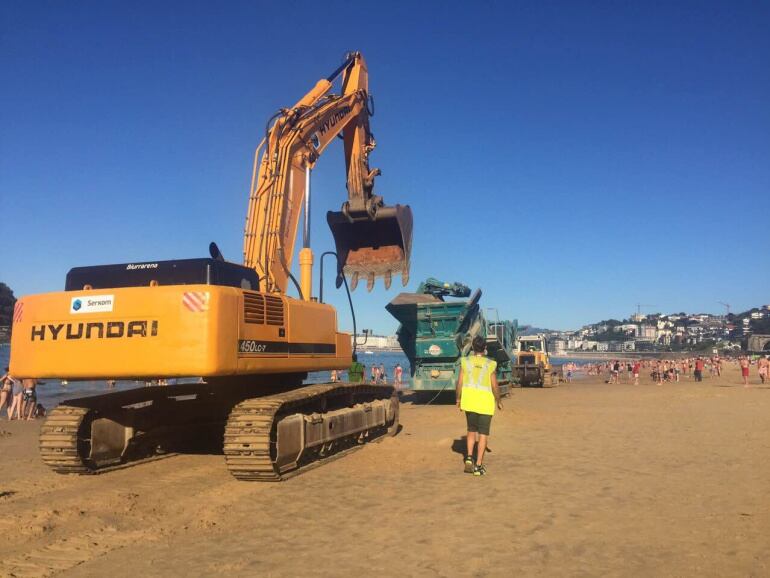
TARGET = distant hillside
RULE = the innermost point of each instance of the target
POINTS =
(527, 330)
(759, 325)
(7, 301)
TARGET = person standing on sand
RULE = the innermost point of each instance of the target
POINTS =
(17, 391)
(29, 397)
(744, 363)
(477, 395)
(763, 368)
(6, 389)
(635, 371)
(397, 373)
(356, 371)
(698, 369)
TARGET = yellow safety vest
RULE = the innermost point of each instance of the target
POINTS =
(477, 395)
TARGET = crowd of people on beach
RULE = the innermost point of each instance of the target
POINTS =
(377, 374)
(662, 371)
(18, 397)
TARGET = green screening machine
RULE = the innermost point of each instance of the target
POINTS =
(435, 333)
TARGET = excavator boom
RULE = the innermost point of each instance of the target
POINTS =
(372, 239)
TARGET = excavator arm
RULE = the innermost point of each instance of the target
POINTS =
(372, 240)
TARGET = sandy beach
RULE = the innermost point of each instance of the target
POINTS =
(586, 479)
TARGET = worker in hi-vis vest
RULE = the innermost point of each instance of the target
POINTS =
(477, 396)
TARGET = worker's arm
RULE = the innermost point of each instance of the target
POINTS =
(496, 391)
(458, 386)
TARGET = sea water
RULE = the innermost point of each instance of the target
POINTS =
(51, 392)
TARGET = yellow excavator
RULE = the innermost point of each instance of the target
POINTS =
(231, 325)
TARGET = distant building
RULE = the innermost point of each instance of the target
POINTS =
(631, 329)
(377, 342)
(574, 344)
(558, 346)
(647, 332)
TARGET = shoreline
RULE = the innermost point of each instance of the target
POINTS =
(605, 355)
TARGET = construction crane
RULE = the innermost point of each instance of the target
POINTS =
(639, 309)
(233, 325)
(726, 306)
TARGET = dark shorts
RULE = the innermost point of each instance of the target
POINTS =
(478, 422)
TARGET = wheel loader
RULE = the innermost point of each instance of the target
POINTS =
(532, 367)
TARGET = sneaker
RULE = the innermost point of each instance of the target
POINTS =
(468, 465)
(480, 471)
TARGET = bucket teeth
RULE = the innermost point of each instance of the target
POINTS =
(371, 278)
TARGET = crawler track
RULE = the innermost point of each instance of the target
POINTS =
(250, 442)
(156, 422)
(60, 444)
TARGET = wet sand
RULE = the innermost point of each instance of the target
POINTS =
(585, 479)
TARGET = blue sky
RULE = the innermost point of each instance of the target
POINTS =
(571, 160)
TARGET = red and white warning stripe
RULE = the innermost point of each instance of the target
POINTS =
(18, 311)
(196, 301)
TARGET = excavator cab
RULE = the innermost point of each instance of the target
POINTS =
(371, 246)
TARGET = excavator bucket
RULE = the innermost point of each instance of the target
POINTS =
(369, 248)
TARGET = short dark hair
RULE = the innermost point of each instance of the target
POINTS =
(479, 344)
